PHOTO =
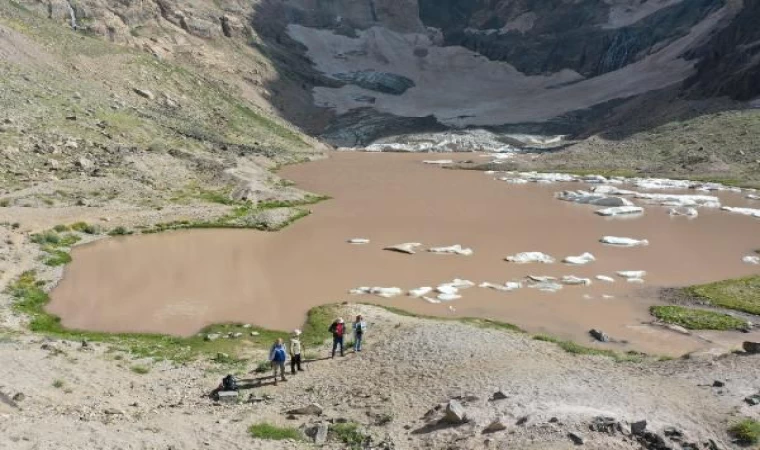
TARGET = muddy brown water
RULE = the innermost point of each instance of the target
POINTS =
(178, 282)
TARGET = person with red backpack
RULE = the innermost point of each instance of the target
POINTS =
(338, 329)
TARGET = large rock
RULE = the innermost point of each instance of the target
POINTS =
(313, 409)
(496, 425)
(454, 414)
(599, 335)
(320, 435)
(387, 83)
(751, 347)
(638, 428)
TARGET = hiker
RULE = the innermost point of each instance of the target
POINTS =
(338, 329)
(359, 326)
(277, 356)
(295, 352)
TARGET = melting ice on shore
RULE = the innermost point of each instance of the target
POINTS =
(605, 278)
(546, 286)
(632, 274)
(421, 291)
(704, 201)
(595, 198)
(453, 249)
(683, 211)
(438, 161)
(623, 241)
(529, 257)
(580, 259)
(386, 292)
(358, 241)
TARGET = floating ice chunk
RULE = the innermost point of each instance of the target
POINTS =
(452, 309)
(420, 292)
(386, 292)
(431, 300)
(408, 247)
(447, 289)
(706, 201)
(456, 283)
(448, 297)
(547, 177)
(358, 241)
(594, 179)
(635, 280)
(546, 286)
(605, 278)
(506, 287)
(514, 180)
(607, 296)
(744, 211)
(528, 257)
(438, 161)
(453, 249)
(623, 241)
(575, 281)
(683, 211)
(753, 197)
(632, 273)
(541, 278)
(612, 190)
(580, 259)
(588, 297)
(594, 198)
(661, 183)
(751, 259)
(620, 211)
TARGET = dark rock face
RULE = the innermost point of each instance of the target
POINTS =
(363, 125)
(569, 37)
(730, 63)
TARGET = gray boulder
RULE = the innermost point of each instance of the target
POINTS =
(638, 428)
(144, 93)
(751, 347)
(454, 414)
(320, 435)
(313, 409)
(493, 427)
(599, 335)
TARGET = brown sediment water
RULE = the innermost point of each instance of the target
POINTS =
(178, 282)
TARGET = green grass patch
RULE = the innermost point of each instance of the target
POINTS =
(57, 258)
(139, 369)
(61, 228)
(274, 433)
(577, 349)
(84, 227)
(120, 231)
(741, 294)
(58, 384)
(746, 432)
(349, 434)
(697, 319)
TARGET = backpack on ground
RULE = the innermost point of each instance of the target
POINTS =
(229, 383)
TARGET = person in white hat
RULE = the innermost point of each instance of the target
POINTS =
(338, 329)
(295, 352)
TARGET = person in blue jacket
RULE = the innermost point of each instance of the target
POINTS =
(277, 356)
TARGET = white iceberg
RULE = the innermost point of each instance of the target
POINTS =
(386, 292)
(753, 197)
(529, 257)
(575, 281)
(506, 287)
(546, 286)
(408, 247)
(705, 201)
(541, 278)
(580, 259)
(448, 297)
(635, 280)
(447, 289)
(751, 259)
(661, 183)
(453, 250)
(620, 211)
(358, 241)
(594, 198)
(752, 212)
(623, 241)
(431, 300)
(683, 211)
(420, 292)
(514, 180)
(632, 273)
(605, 278)
(438, 161)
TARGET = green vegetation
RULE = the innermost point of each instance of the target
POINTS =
(577, 349)
(57, 258)
(4, 203)
(697, 319)
(741, 294)
(58, 384)
(84, 227)
(120, 231)
(138, 369)
(274, 433)
(349, 434)
(746, 432)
